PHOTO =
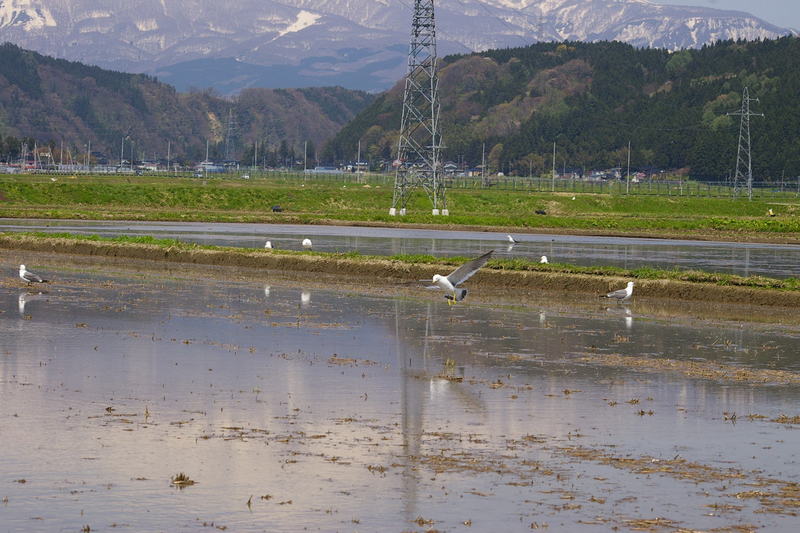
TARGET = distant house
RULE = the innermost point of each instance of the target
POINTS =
(324, 170)
(450, 167)
(209, 167)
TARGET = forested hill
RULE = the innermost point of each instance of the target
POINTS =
(52, 100)
(592, 99)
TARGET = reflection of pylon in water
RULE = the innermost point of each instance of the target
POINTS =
(744, 160)
(417, 163)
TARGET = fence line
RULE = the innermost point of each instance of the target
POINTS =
(716, 189)
(647, 187)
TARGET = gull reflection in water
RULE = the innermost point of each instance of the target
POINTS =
(25, 297)
(305, 298)
(266, 291)
(626, 313)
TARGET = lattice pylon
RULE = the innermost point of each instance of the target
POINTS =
(744, 159)
(417, 163)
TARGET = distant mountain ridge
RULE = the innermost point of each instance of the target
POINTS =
(54, 100)
(352, 43)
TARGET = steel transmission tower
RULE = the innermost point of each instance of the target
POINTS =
(230, 136)
(417, 163)
(744, 159)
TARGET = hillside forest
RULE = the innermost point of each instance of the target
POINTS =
(592, 99)
(54, 103)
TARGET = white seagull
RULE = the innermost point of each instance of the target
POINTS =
(451, 282)
(29, 277)
(544, 260)
(622, 294)
(307, 243)
(512, 240)
(268, 245)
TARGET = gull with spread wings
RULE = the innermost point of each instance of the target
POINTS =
(451, 282)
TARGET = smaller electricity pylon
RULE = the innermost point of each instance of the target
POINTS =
(417, 163)
(744, 159)
(230, 136)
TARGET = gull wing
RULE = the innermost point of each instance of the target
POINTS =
(31, 277)
(465, 271)
(622, 293)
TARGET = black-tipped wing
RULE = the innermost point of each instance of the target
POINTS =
(465, 271)
(460, 295)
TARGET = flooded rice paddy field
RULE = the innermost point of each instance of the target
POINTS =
(744, 259)
(319, 406)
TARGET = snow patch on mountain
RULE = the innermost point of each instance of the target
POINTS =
(304, 20)
(146, 25)
(25, 14)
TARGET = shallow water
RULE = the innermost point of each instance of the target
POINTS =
(737, 258)
(329, 409)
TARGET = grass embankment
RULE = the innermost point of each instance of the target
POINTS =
(516, 275)
(182, 199)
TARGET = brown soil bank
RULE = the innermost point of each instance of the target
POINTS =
(501, 281)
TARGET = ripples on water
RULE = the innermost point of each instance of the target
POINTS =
(333, 410)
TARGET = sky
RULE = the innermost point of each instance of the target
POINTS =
(783, 13)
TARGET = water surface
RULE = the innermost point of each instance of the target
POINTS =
(330, 409)
(737, 258)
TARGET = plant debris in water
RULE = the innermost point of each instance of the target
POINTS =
(182, 480)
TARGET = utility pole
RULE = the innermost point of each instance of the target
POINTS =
(628, 179)
(255, 154)
(419, 145)
(230, 136)
(305, 155)
(483, 165)
(553, 181)
(744, 159)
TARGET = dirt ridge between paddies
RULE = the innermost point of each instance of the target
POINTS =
(497, 277)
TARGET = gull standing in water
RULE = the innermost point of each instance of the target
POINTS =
(622, 294)
(512, 240)
(29, 277)
(451, 282)
(306, 243)
(268, 245)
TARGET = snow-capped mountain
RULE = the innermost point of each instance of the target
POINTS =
(354, 43)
